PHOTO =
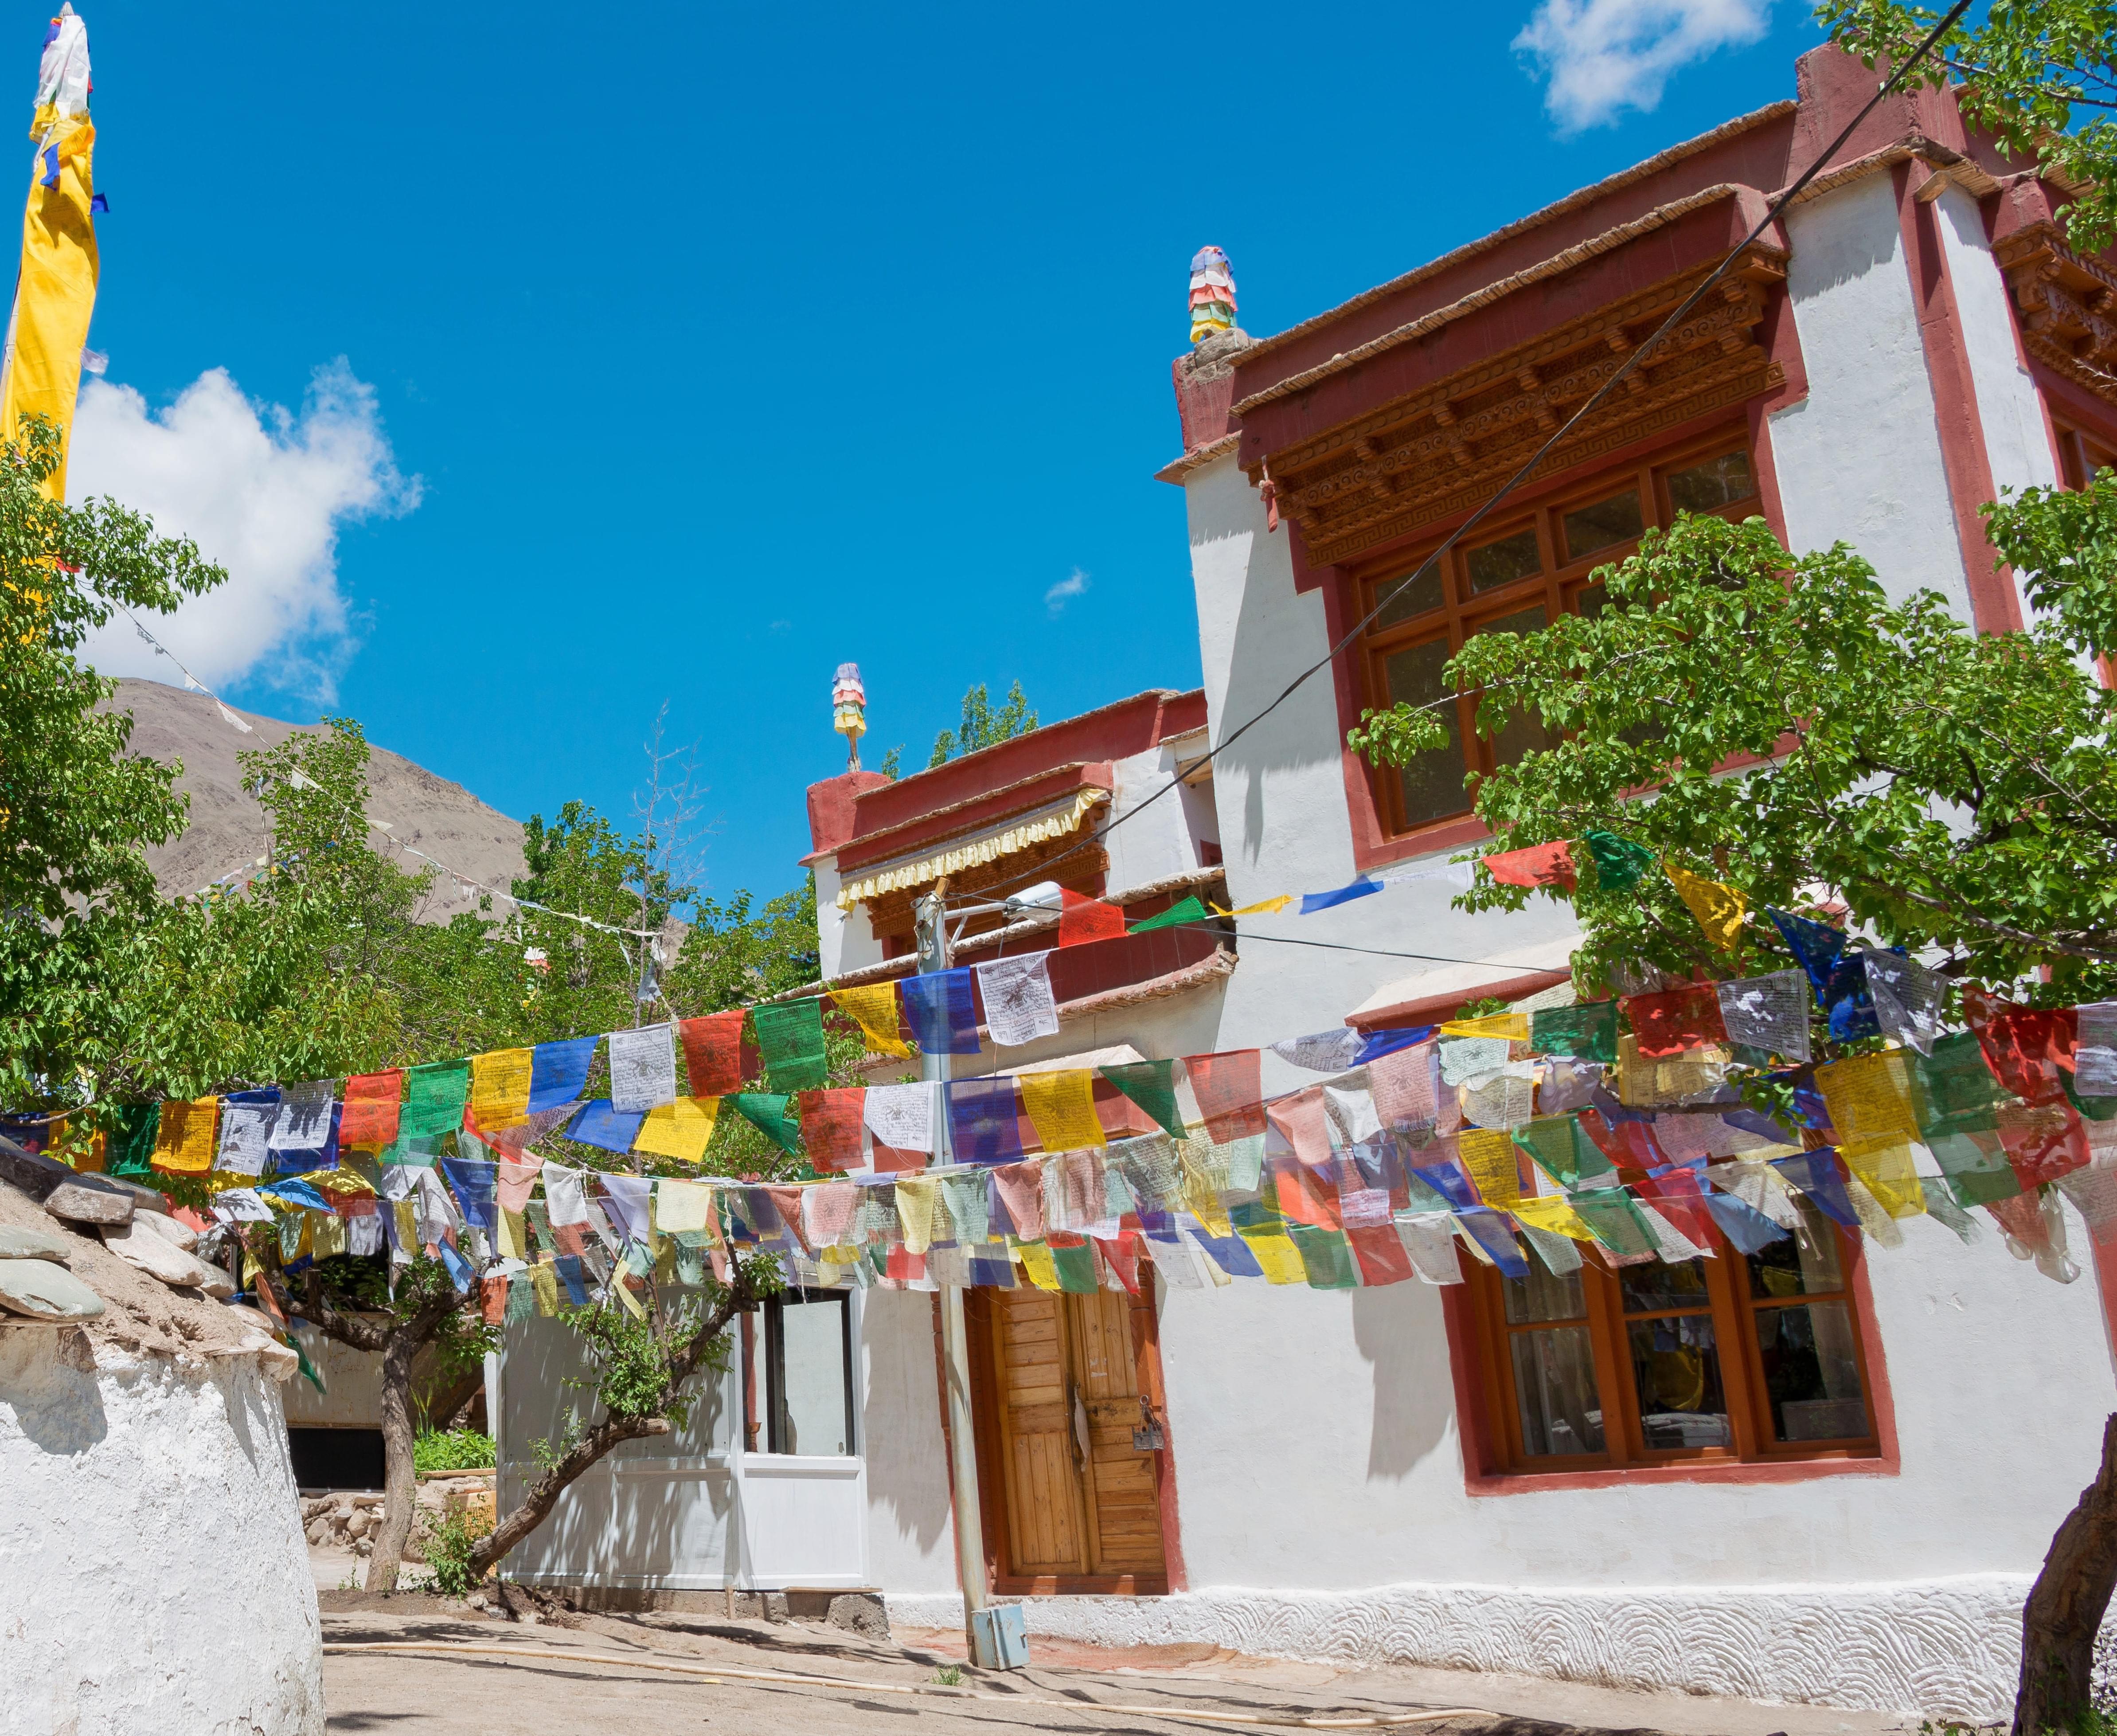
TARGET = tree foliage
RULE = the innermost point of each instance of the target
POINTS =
(984, 725)
(2040, 77)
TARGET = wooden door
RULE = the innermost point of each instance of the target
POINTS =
(1081, 1509)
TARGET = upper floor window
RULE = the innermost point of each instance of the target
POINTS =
(1755, 1358)
(1516, 574)
(2081, 454)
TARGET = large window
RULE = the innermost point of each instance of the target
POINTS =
(1738, 1358)
(1514, 576)
(798, 1390)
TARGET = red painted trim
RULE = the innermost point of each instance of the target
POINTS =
(1466, 1367)
(1414, 1012)
(1995, 607)
(1039, 791)
(2077, 406)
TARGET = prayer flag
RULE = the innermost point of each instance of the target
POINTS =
(1019, 1006)
(1263, 907)
(600, 1125)
(873, 1009)
(1487, 1155)
(831, 1128)
(827, 1214)
(1492, 1233)
(1816, 947)
(968, 1200)
(564, 1199)
(684, 1205)
(682, 1129)
(372, 1103)
(1555, 1215)
(474, 1184)
(1152, 1086)
(715, 1060)
(303, 1123)
(1561, 1147)
(2025, 1047)
(1300, 1120)
(1720, 910)
(643, 1069)
(2043, 1141)
(1614, 1217)
(1326, 1258)
(1230, 1095)
(1312, 901)
(1276, 1254)
(942, 1012)
(1620, 864)
(1676, 1019)
(2095, 1049)
(1325, 1052)
(1540, 865)
(1402, 1083)
(1074, 1263)
(500, 1086)
(1869, 1098)
(1466, 1058)
(434, 1099)
(129, 1131)
(1908, 999)
(1061, 1106)
(1769, 1013)
(982, 1122)
(1507, 1027)
(1587, 1031)
(1380, 1253)
(1082, 919)
(1884, 1169)
(1021, 1188)
(902, 1116)
(1389, 1040)
(1187, 910)
(514, 1182)
(559, 1072)
(767, 1112)
(246, 1119)
(184, 1137)
(1821, 1175)
(789, 1036)
(1430, 1244)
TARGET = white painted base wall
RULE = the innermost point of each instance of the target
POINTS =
(153, 1573)
(1938, 1647)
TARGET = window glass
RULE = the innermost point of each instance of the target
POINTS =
(1505, 561)
(811, 1392)
(1554, 1391)
(1413, 594)
(1655, 1284)
(1717, 483)
(1615, 520)
(1676, 1371)
(1812, 1373)
(1432, 783)
(1802, 1264)
(1523, 731)
(1544, 1296)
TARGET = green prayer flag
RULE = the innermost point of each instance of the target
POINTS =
(1152, 1086)
(1256, 1214)
(790, 1037)
(521, 1300)
(2096, 1109)
(1953, 1080)
(1190, 910)
(766, 1111)
(302, 1357)
(1327, 1255)
(129, 1138)
(434, 1099)
(1616, 1220)
(1076, 1267)
(1966, 1148)
(1620, 864)
(1561, 1145)
(1587, 1032)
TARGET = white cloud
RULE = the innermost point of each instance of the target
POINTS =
(1604, 55)
(262, 491)
(1073, 585)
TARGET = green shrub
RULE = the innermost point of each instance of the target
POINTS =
(448, 1550)
(457, 1449)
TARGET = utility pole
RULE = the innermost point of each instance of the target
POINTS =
(931, 913)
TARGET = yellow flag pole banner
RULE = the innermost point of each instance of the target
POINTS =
(55, 289)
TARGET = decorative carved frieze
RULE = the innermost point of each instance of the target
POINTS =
(2067, 305)
(1440, 450)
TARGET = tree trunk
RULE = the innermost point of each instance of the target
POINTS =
(544, 1494)
(399, 1478)
(2066, 1605)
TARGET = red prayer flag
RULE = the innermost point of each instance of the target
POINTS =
(1306, 1197)
(715, 1054)
(1677, 1197)
(1021, 1187)
(888, 1160)
(1123, 1257)
(372, 1102)
(831, 1125)
(1381, 1254)
(2043, 1141)
(904, 1266)
(1540, 865)
(786, 1201)
(1300, 1119)
(1677, 1019)
(493, 1293)
(2024, 1046)
(1229, 1091)
(1083, 918)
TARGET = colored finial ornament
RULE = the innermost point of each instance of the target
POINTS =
(849, 710)
(55, 287)
(1212, 294)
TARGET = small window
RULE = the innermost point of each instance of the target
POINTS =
(1432, 783)
(1604, 524)
(1413, 594)
(807, 1384)
(1505, 561)
(1707, 487)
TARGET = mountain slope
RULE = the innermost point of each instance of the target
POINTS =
(228, 828)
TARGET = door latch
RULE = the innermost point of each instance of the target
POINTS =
(1147, 1437)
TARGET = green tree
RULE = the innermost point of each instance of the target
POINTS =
(2040, 77)
(982, 726)
(1819, 747)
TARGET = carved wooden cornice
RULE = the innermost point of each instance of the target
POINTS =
(2067, 305)
(1440, 450)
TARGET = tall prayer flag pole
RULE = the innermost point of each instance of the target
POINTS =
(55, 289)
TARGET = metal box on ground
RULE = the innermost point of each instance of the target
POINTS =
(998, 1639)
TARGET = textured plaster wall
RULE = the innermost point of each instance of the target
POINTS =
(1859, 459)
(911, 1544)
(152, 1575)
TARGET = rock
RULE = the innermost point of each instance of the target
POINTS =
(317, 1532)
(182, 1235)
(775, 1606)
(155, 1255)
(861, 1612)
(43, 1290)
(357, 1525)
(365, 1546)
(31, 1171)
(273, 1357)
(33, 1244)
(220, 1286)
(84, 1199)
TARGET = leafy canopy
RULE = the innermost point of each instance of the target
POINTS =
(982, 726)
(1780, 725)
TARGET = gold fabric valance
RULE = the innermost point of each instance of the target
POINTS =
(1018, 834)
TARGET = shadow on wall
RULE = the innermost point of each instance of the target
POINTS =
(47, 1384)
(901, 1416)
(1399, 1329)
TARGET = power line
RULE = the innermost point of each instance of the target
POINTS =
(1632, 360)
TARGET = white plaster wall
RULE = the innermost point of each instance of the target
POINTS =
(153, 1573)
(1158, 843)
(2017, 442)
(844, 941)
(910, 1542)
(1859, 459)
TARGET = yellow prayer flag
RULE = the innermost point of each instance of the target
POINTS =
(1869, 1098)
(1884, 1166)
(408, 1222)
(1276, 1254)
(682, 1205)
(1201, 1195)
(509, 1237)
(1720, 909)
(326, 1234)
(544, 1275)
(1487, 1155)
(1552, 1212)
(914, 1213)
(873, 1009)
(624, 1294)
(1512, 1026)
(55, 289)
(183, 1138)
(500, 1087)
(1037, 1262)
(1263, 907)
(1062, 1107)
(680, 1130)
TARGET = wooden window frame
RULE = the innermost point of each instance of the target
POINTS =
(1732, 1311)
(1557, 588)
(2080, 451)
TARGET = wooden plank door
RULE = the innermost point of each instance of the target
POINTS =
(1082, 1499)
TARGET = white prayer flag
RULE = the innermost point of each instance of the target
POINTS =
(1770, 1013)
(303, 1122)
(563, 1198)
(2095, 1051)
(245, 1129)
(643, 1069)
(1321, 1051)
(901, 1117)
(1908, 998)
(1431, 1242)
(242, 1205)
(1019, 1006)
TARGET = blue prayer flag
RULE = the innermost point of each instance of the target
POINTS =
(941, 1011)
(459, 1267)
(323, 1156)
(1312, 901)
(1495, 1233)
(982, 1121)
(1380, 1043)
(558, 1072)
(1741, 1222)
(572, 1275)
(599, 1124)
(1821, 1175)
(1231, 1254)
(293, 1191)
(474, 1184)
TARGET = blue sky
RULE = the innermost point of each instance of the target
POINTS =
(690, 351)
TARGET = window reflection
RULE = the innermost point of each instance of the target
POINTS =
(1604, 524)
